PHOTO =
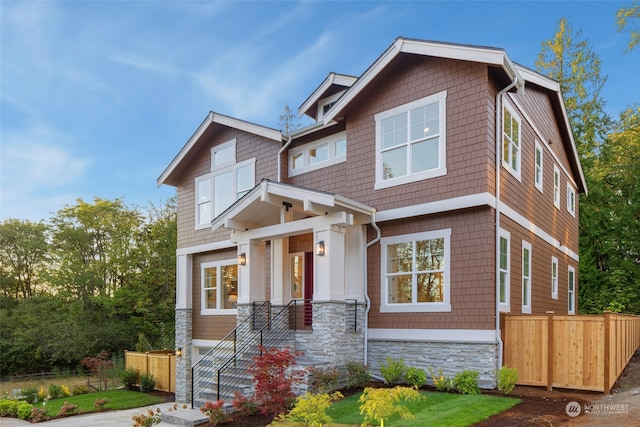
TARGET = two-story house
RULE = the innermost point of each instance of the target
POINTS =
(433, 192)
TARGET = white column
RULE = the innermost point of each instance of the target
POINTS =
(251, 275)
(355, 262)
(184, 285)
(330, 267)
(279, 271)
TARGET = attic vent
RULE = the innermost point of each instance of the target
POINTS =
(327, 107)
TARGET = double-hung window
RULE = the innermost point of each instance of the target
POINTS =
(571, 287)
(571, 200)
(556, 186)
(511, 141)
(554, 277)
(538, 171)
(411, 142)
(226, 183)
(504, 284)
(526, 277)
(219, 287)
(416, 272)
(318, 154)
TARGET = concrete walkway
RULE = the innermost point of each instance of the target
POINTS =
(105, 419)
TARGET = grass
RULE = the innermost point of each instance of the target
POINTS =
(118, 399)
(437, 409)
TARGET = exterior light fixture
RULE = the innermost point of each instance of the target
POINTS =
(320, 248)
(179, 352)
(242, 259)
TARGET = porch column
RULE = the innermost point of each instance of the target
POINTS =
(251, 275)
(184, 319)
(329, 268)
(279, 276)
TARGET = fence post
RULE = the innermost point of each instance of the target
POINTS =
(607, 351)
(550, 341)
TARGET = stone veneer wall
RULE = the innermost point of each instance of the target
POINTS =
(184, 324)
(450, 356)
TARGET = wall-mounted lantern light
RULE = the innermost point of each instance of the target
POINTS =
(242, 259)
(179, 352)
(320, 248)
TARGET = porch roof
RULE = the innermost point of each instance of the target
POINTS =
(269, 203)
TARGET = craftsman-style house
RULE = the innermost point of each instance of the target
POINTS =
(432, 192)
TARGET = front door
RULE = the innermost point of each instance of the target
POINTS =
(302, 283)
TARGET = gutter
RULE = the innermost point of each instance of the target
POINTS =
(284, 147)
(516, 82)
(366, 288)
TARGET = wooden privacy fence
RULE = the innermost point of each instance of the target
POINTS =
(160, 364)
(584, 352)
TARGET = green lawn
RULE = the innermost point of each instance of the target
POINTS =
(118, 399)
(437, 409)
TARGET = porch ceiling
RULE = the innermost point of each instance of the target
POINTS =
(272, 203)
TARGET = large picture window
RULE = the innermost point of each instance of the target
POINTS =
(415, 272)
(226, 183)
(219, 287)
(411, 142)
(511, 141)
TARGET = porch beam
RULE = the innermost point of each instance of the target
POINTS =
(292, 228)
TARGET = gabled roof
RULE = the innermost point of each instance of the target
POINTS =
(209, 125)
(263, 204)
(333, 81)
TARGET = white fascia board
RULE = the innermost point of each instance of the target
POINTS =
(253, 128)
(299, 193)
(574, 150)
(185, 149)
(331, 79)
(433, 335)
(537, 78)
(456, 203)
(207, 247)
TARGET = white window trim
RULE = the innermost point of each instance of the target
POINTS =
(506, 306)
(326, 101)
(526, 309)
(332, 159)
(199, 224)
(571, 295)
(571, 200)
(441, 98)
(539, 184)
(507, 164)
(445, 305)
(214, 311)
(220, 147)
(556, 189)
(554, 280)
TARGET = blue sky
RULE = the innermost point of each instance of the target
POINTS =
(97, 97)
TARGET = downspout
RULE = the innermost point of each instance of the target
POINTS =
(284, 147)
(497, 209)
(366, 287)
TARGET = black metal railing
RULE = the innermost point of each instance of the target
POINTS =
(351, 321)
(223, 370)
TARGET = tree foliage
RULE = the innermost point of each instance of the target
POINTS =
(96, 277)
(628, 18)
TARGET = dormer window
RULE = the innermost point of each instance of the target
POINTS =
(324, 105)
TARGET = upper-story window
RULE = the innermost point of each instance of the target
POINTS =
(511, 141)
(416, 272)
(318, 154)
(538, 172)
(219, 286)
(504, 302)
(571, 200)
(226, 183)
(411, 141)
(556, 186)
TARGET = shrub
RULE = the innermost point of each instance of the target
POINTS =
(246, 407)
(416, 377)
(393, 371)
(23, 411)
(215, 412)
(311, 409)
(325, 380)
(42, 394)
(68, 409)
(147, 383)
(148, 419)
(30, 394)
(55, 391)
(79, 389)
(8, 408)
(376, 404)
(101, 404)
(37, 415)
(274, 380)
(357, 375)
(507, 379)
(441, 382)
(129, 377)
(466, 382)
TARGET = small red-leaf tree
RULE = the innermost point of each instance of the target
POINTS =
(274, 380)
(99, 365)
